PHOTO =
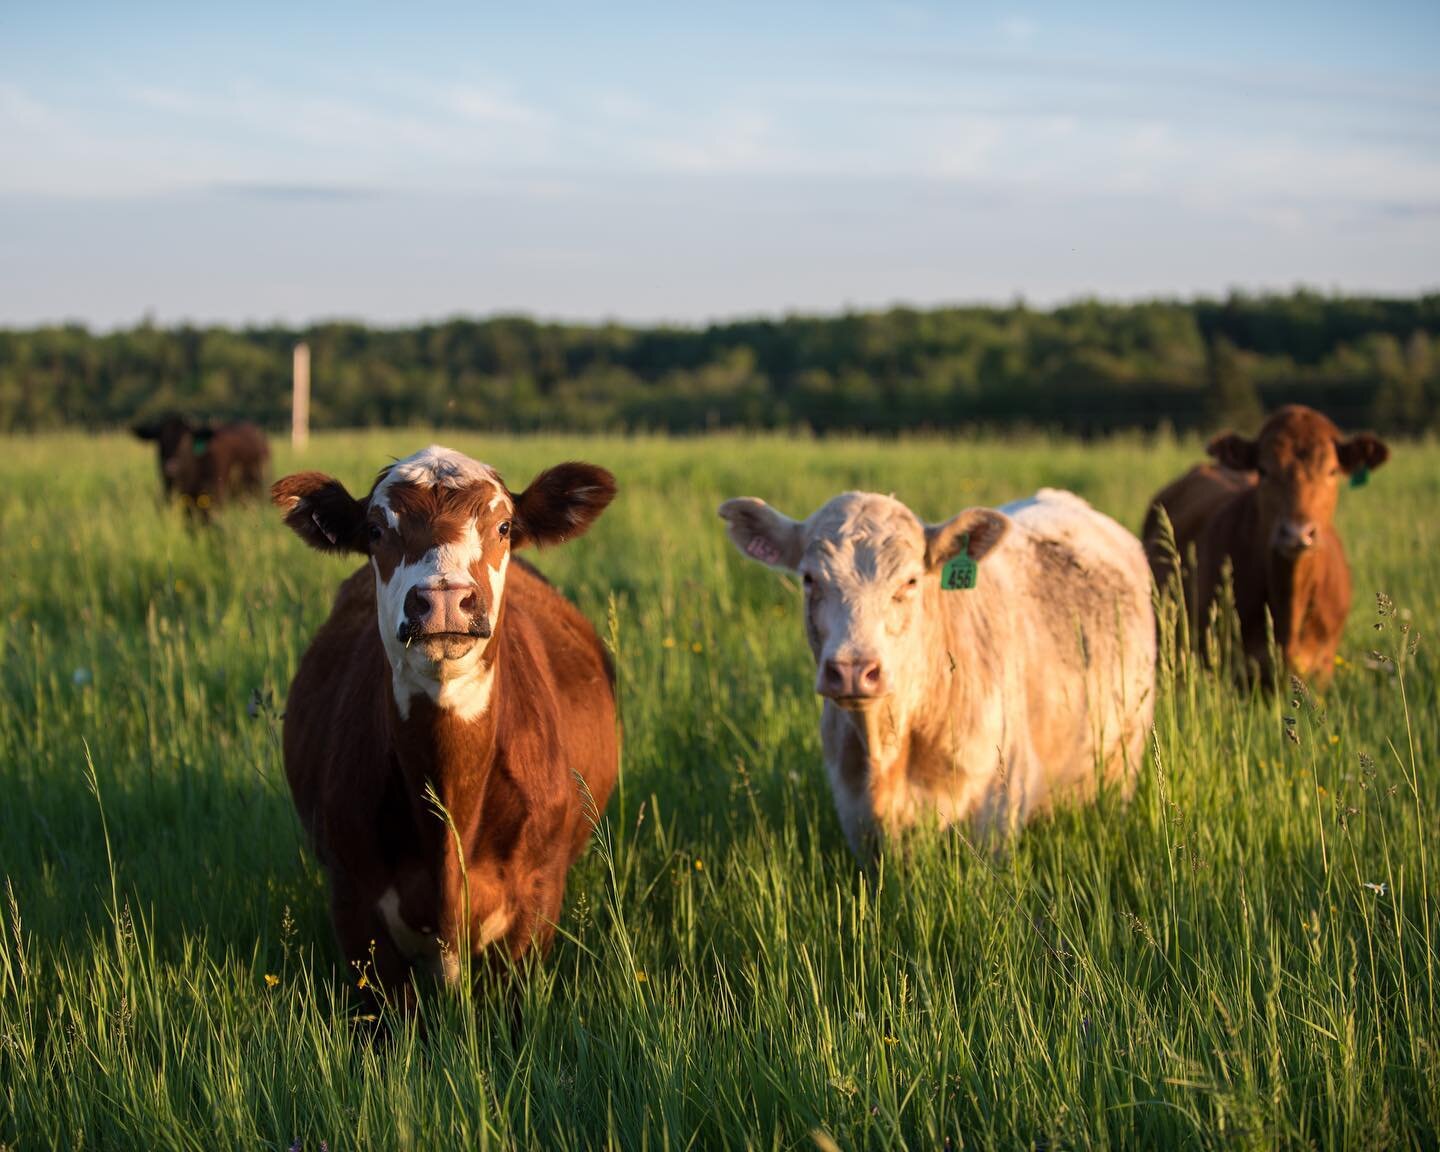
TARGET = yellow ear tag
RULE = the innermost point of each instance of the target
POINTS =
(960, 571)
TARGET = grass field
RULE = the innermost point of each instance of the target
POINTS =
(1242, 956)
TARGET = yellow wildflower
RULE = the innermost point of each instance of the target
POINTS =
(640, 977)
(271, 980)
(668, 642)
(699, 865)
(363, 982)
(697, 647)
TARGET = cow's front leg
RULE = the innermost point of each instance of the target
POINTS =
(380, 970)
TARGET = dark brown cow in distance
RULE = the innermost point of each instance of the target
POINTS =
(444, 665)
(207, 464)
(1269, 509)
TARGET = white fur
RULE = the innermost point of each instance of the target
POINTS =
(1061, 689)
(436, 467)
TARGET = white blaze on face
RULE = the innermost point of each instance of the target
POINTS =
(461, 685)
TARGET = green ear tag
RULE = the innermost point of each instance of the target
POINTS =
(1360, 477)
(960, 571)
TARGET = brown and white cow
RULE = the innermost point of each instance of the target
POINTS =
(445, 665)
(207, 464)
(987, 703)
(1268, 512)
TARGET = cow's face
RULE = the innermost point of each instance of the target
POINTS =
(438, 529)
(167, 432)
(870, 571)
(1299, 458)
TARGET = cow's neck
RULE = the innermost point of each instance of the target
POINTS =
(439, 748)
(1294, 586)
(891, 730)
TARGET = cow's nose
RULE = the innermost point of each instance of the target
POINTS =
(432, 611)
(1296, 535)
(852, 679)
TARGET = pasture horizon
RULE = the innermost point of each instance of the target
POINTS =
(1242, 955)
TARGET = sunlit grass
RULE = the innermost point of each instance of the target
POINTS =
(1244, 955)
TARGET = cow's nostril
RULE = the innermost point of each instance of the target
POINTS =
(416, 605)
(871, 675)
(468, 604)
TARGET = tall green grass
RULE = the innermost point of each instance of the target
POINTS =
(1243, 955)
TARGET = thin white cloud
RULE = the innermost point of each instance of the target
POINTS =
(490, 106)
(1018, 31)
(728, 141)
(22, 111)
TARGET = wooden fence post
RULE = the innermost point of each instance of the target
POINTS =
(300, 399)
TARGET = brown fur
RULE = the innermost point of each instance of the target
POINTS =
(207, 465)
(523, 781)
(1229, 516)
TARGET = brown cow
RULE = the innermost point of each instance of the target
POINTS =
(207, 464)
(1268, 510)
(444, 665)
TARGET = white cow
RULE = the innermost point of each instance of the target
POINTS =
(950, 702)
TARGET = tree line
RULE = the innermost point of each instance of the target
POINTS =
(1086, 368)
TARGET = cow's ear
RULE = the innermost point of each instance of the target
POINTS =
(976, 530)
(1362, 452)
(762, 533)
(320, 511)
(149, 431)
(560, 504)
(1233, 451)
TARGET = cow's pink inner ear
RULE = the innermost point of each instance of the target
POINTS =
(762, 533)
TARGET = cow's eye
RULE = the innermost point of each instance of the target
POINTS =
(375, 533)
(907, 589)
(504, 528)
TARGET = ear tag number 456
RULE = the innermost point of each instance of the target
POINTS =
(960, 571)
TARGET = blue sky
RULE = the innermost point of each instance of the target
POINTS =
(648, 162)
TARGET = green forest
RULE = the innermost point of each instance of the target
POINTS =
(1084, 368)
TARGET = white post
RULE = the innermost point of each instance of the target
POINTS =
(300, 399)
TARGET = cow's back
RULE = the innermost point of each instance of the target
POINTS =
(241, 454)
(1083, 634)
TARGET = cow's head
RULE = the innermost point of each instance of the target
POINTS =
(182, 445)
(1299, 456)
(870, 570)
(438, 529)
